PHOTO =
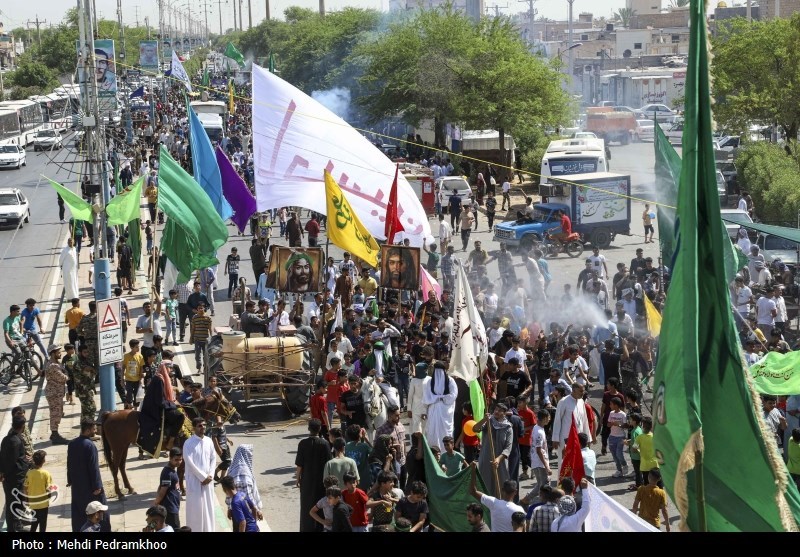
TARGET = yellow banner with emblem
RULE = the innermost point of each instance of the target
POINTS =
(344, 227)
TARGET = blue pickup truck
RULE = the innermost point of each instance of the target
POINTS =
(598, 204)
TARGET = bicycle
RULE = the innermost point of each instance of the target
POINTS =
(22, 366)
(37, 361)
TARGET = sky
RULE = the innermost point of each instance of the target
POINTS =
(52, 11)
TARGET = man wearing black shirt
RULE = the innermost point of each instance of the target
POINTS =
(352, 403)
(638, 264)
(13, 468)
(517, 383)
(611, 359)
(416, 350)
(402, 368)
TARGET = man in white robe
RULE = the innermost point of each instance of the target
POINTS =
(201, 461)
(68, 260)
(569, 407)
(414, 404)
(439, 397)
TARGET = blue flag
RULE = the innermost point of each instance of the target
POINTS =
(138, 93)
(205, 167)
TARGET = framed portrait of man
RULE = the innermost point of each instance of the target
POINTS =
(400, 267)
(297, 270)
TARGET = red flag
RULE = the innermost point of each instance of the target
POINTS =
(393, 224)
(572, 463)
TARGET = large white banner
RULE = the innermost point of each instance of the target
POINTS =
(295, 139)
(179, 73)
(468, 342)
(606, 515)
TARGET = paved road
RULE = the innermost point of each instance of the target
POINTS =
(34, 249)
(276, 442)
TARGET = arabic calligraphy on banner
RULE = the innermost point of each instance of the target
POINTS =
(777, 374)
(348, 232)
(295, 139)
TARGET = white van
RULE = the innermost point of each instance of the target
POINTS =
(573, 156)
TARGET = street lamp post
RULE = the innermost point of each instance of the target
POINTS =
(570, 45)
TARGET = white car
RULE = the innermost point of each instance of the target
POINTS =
(645, 130)
(662, 112)
(457, 184)
(14, 208)
(675, 133)
(584, 135)
(12, 156)
(46, 140)
(736, 216)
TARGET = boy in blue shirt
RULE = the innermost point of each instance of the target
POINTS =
(243, 510)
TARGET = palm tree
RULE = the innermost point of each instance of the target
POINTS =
(624, 15)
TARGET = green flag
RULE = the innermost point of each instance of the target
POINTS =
(233, 53)
(720, 466)
(125, 206)
(271, 63)
(668, 173)
(206, 79)
(777, 374)
(79, 208)
(194, 231)
(448, 496)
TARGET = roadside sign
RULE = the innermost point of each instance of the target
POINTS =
(109, 331)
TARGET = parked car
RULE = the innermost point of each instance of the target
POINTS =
(454, 183)
(730, 174)
(722, 189)
(14, 207)
(675, 133)
(579, 135)
(47, 139)
(662, 112)
(738, 217)
(12, 156)
(645, 130)
(775, 247)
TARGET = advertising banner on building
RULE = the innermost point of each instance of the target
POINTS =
(148, 55)
(105, 74)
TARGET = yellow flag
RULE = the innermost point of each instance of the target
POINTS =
(344, 227)
(653, 317)
(231, 107)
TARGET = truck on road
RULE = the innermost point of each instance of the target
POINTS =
(598, 204)
(610, 125)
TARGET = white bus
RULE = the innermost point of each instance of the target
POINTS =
(56, 111)
(573, 156)
(30, 118)
(9, 127)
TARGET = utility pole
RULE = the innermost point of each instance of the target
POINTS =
(121, 33)
(322, 8)
(234, 14)
(569, 47)
(241, 26)
(98, 174)
(136, 12)
(219, 7)
(147, 24)
(531, 15)
(205, 9)
(249, 15)
(38, 24)
(267, 1)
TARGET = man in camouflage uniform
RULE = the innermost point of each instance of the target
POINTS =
(87, 332)
(85, 373)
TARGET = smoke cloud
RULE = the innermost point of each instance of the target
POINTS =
(337, 100)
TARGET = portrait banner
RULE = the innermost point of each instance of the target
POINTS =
(105, 74)
(400, 267)
(148, 55)
(166, 49)
(297, 270)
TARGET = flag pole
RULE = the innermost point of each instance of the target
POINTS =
(491, 439)
(701, 496)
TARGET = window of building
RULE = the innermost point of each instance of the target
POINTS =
(584, 37)
(676, 38)
(637, 46)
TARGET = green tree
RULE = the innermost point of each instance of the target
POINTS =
(771, 177)
(507, 89)
(624, 16)
(32, 74)
(417, 69)
(755, 73)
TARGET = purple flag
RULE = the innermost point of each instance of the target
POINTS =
(236, 193)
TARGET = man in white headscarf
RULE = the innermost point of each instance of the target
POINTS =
(439, 397)
(68, 260)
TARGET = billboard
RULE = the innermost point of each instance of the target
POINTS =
(166, 49)
(105, 74)
(148, 55)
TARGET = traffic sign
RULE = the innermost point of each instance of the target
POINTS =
(109, 330)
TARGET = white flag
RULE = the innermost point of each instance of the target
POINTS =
(179, 73)
(606, 515)
(296, 138)
(468, 343)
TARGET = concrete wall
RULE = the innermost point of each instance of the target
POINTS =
(678, 18)
(788, 7)
(629, 39)
(644, 7)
